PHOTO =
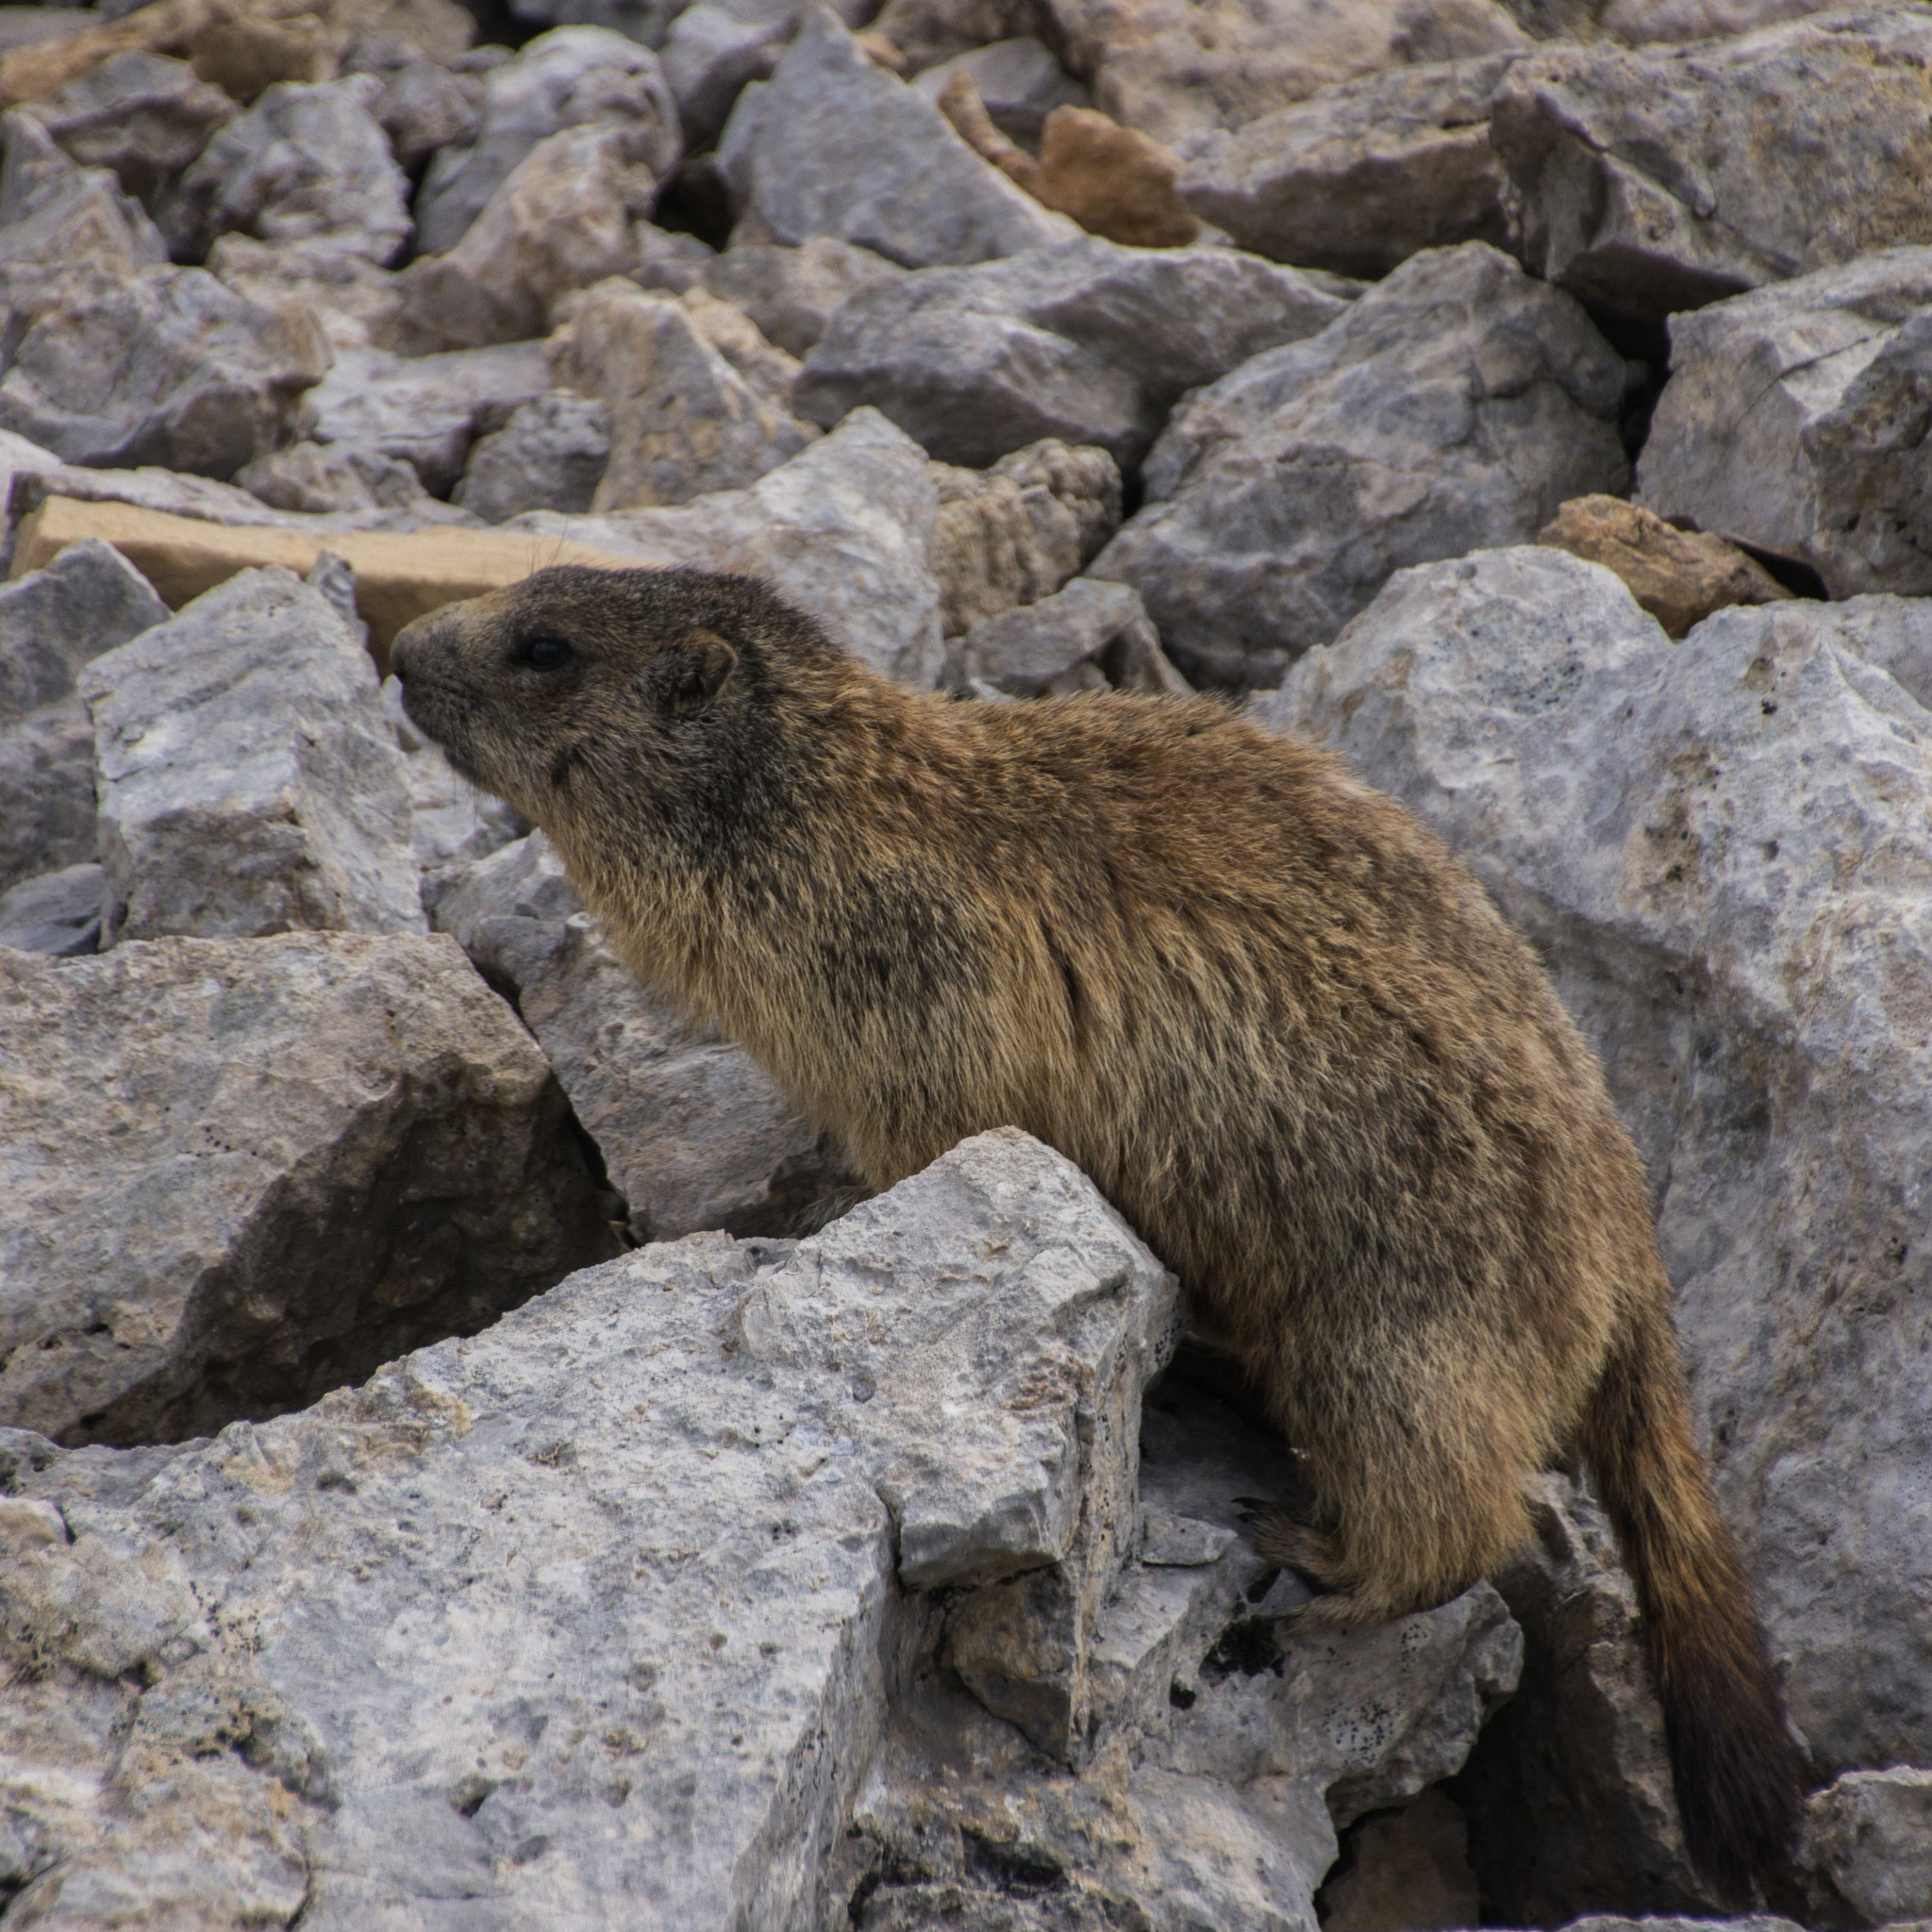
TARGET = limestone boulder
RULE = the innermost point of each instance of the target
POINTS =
(248, 779)
(683, 422)
(307, 164)
(56, 214)
(1680, 577)
(424, 410)
(832, 144)
(605, 1605)
(422, 105)
(1720, 848)
(1018, 80)
(241, 1173)
(324, 479)
(53, 622)
(142, 116)
(1176, 72)
(692, 1133)
(163, 365)
(355, 302)
(792, 294)
(550, 454)
(567, 217)
(716, 47)
(1087, 637)
(578, 76)
(1868, 1847)
(1360, 176)
(1791, 422)
(850, 531)
(1456, 405)
(1085, 342)
(1658, 180)
(58, 913)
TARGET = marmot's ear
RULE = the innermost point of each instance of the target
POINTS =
(692, 672)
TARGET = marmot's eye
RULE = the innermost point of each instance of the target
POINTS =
(543, 652)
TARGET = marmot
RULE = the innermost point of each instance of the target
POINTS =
(1277, 1023)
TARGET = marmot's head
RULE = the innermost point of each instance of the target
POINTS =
(605, 698)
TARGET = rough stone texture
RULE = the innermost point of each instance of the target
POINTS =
(330, 480)
(1363, 176)
(54, 214)
(1868, 1837)
(1410, 1868)
(549, 455)
(141, 115)
(716, 48)
(683, 422)
(1568, 1793)
(1015, 533)
(1174, 70)
(792, 294)
(833, 146)
(1018, 81)
(424, 410)
(1794, 420)
(163, 365)
(1086, 637)
(670, 259)
(1680, 577)
(693, 1135)
(423, 105)
(578, 76)
(355, 302)
(567, 217)
(1454, 406)
(219, 819)
(239, 1174)
(58, 913)
(924, 33)
(1658, 181)
(306, 164)
(595, 1614)
(1720, 848)
(1085, 342)
(52, 621)
(851, 531)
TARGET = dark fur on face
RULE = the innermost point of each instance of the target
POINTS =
(1279, 1025)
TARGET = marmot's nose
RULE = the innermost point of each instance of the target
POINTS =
(403, 648)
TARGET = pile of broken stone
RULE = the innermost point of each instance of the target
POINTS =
(439, 1487)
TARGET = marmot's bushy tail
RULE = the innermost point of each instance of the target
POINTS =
(1736, 1769)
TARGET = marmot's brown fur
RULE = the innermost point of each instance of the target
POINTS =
(1278, 1024)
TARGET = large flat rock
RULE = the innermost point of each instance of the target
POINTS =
(237, 1174)
(590, 1620)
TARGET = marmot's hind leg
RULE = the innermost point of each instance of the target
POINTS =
(1344, 1598)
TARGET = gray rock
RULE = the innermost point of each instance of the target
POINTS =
(423, 105)
(142, 116)
(715, 49)
(1363, 176)
(652, 1537)
(693, 1134)
(1086, 637)
(669, 260)
(647, 22)
(549, 455)
(1720, 848)
(578, 76)
(850, 531)
(55, 621)
(355, 302)
(248, 779)
(1013, 534)
(792, 294)
(306, 164)
(1019, 80)
(569, 216)
(1086, 341)
(59, 913)
(1786, 423)
(683, 422)
(1454, 406)
(52, 622)
(246, 1173)
(424, 410)
(1178, 73)
(327, 478)
(1869, 1835)
(1568, 1793)
(46, 792)
(833, 146)
(162, 366)
(56, 215)
(1658, 180)
(925, 32)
